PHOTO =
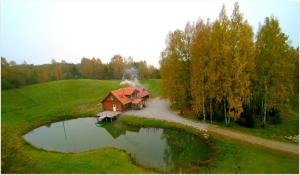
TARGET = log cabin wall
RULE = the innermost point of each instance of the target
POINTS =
(107, 104)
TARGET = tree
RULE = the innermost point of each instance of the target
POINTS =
(220, 39)
(153, 72)
(42, 75)
(26, 71)
(143, 70)
(85, 68)
(117, 65)
(241, 63)
(56, 70)
(293, 58)
(200, 58)
(272, 65)
(6, 75)
(175, 64)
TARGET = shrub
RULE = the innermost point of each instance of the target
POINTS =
(6, 84)
(274, 115)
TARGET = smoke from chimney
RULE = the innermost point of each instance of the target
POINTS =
(130, 77)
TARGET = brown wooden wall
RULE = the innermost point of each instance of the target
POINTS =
(107, 104)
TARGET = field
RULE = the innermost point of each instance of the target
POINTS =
(31, 106)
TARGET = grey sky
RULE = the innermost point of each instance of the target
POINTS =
(40, 30)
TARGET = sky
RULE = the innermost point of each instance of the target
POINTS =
(38, 31)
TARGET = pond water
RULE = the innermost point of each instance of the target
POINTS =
(163, 149)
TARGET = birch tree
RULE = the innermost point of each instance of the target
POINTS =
(272, 65)
(175, 70)
(221, 47)
(200, 58)
(241, 62)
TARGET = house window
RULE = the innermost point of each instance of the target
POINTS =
(134, 95)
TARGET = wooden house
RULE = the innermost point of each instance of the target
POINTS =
(125, 98)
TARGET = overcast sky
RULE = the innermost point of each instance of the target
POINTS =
(40, 30)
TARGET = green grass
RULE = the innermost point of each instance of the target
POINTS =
(289, 125)
(233, 157)
(106, 160)
(31, 106)
(153, 85)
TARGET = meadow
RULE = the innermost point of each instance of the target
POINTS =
(28, 107)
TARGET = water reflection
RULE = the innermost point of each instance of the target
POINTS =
(116, 129)
(158, 148)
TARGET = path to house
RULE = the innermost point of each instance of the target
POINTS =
(159, 109)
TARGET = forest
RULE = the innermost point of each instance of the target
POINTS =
(221, 70)
(15, 75)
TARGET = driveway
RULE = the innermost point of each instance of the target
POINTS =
(159, 109)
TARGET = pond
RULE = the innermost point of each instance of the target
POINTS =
(162, 149)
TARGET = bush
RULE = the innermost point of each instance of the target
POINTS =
(247, 118)
(6, 84)
(274, 115)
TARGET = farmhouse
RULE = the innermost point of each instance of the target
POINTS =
(125, 98)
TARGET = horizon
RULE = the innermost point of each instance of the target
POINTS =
(38, 31)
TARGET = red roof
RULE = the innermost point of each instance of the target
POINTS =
(126, 91)
(122, 98)
(136, 101)
(142, 92)
(122, 93)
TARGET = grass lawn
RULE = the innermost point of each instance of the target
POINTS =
(29, 107)
(233, 157)
(153, 85)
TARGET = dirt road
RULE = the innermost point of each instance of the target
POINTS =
(159, 109)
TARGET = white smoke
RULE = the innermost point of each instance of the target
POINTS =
(128, 83)
(130, 77)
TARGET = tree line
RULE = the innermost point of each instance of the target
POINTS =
(220, 70)
(15, 75)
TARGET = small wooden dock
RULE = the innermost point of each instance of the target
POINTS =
(107, 115)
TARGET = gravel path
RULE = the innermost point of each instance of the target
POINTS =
(159, 109)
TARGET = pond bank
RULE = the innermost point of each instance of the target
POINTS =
(159, 148)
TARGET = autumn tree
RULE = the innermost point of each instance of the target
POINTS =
(25, 70)
(85, 68)
(175, 63)
(272, 65)
(153, 72)
(11, 75)
(56, 70)
(220, 38)
(6, 75)
(97, 68)
(200, 60)
(117, 65)
(143, 70)
(241, 63)
(293, 56)
(42, 75)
